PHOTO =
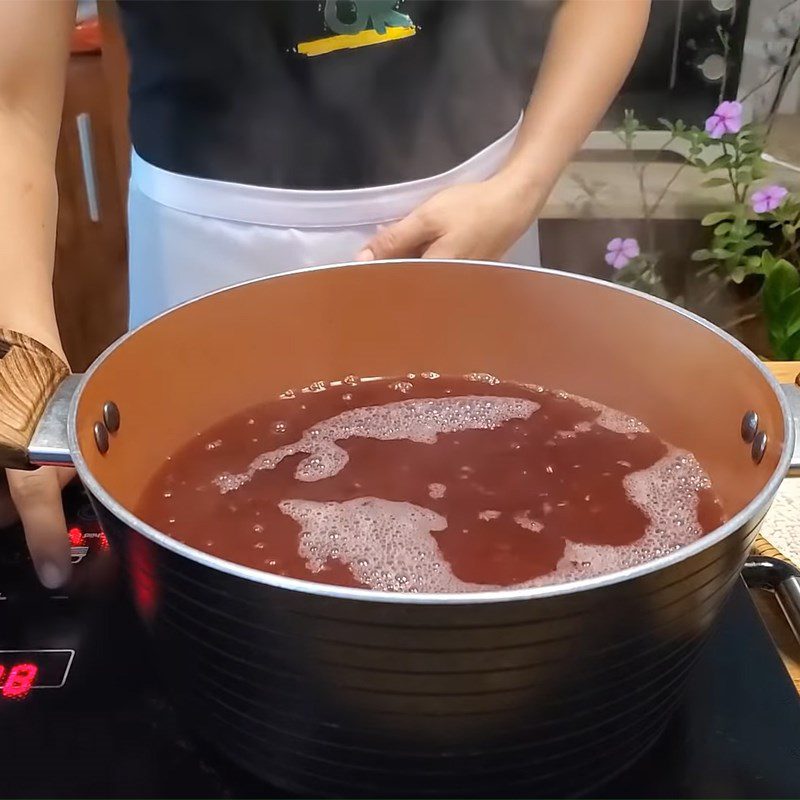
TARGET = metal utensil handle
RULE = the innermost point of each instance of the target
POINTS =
(84, 124)
(30, 373)
(780, 577)
(791, 392)
(788, 595)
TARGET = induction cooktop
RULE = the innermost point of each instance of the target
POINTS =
(83, 713)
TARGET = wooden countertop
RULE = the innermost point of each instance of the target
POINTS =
(776, 622)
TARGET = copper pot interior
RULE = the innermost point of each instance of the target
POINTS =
(212, 358)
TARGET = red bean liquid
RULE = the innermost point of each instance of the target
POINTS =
(432, 484)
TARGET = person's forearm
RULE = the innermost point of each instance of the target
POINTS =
(33, 58)
(28, 208)
(591, 48)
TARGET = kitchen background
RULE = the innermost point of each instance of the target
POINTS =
(644, 175)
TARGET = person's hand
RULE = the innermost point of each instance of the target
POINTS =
(475, 220)
(35, 499)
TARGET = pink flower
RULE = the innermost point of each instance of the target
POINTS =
(726, 119)
(768, 198)
(621, 251)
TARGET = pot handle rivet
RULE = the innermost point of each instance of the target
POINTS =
(749, 426)
(111, 416)
(101, 437)
(759, 446)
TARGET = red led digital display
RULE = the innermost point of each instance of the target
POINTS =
(19, 680)
(82, 541)
(24, 670)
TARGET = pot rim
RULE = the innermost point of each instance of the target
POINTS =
(752, 511)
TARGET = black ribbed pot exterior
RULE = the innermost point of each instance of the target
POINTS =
(545, 696)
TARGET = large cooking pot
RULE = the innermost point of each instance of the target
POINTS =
(339, 691)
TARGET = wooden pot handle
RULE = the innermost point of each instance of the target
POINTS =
(29, 375)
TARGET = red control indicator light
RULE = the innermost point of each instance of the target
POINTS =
(19, 680)
(80, 538)
(24, 670)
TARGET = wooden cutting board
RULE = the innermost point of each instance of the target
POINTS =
(785, 372)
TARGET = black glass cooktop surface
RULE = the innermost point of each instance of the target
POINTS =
(82, 714)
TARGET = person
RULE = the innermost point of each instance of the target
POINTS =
(269, 136)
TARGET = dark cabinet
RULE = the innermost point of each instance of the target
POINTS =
(90, 282)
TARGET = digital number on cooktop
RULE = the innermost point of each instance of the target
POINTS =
(24, 670)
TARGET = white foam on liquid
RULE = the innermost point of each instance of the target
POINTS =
(524, 520)
(418, 420)
(667, 493)
(388, 545)
(437, 490)
(608, 418)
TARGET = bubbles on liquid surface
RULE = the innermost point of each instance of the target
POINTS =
(380, 540)
(391, 545)
(418, 420)
(524, 520)
(387, 545)
(608, 418)
(660, 492)
(437, 490)
(483, 377)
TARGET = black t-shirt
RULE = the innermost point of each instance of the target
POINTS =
(320, 94)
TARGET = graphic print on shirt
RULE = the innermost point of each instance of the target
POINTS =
(359, 23)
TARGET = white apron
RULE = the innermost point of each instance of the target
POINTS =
(189, 236)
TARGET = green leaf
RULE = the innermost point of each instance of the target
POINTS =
(766, 262)
(702, 255)
(781, 282)
(712, 182)
(722, 253)
(790, 313)
(784, 330)
(722, 228)
(750, 143)
(738, 274)
(715, 217)
(757, 241)
(789, 233)
(786, 347)
(782, 263)
(721, 161)
(744, 175)
(792, 347)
